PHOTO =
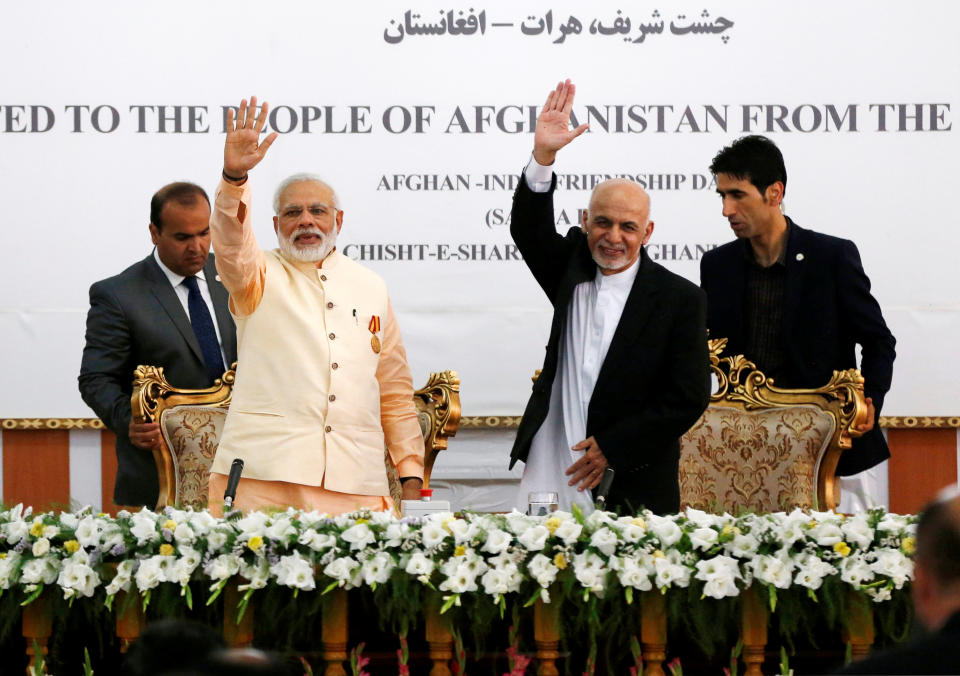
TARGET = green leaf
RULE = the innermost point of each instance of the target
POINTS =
(87, 667)
(773, 597)
(449, 603)
(813, 595)
(242, 605)
(33, 596)
(216, 591)
(146, 599)
(108, 602)
(189, 596)
(533, 599)
(330, 587)
(628, 592)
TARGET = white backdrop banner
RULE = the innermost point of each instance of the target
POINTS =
(421, 115)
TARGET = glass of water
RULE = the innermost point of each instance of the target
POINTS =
(542, 503)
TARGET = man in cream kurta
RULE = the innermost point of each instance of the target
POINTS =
(322, 378)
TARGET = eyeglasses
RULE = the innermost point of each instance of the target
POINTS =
(292, 212)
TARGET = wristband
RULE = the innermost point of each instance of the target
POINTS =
(233, 178)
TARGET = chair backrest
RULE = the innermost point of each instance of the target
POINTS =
(191, 422)
(762, 448)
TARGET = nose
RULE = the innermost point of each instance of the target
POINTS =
(614, 235)
(728, 207)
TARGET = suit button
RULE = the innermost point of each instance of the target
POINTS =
(328, 429)
(335, 366)
(332, 336)
(332, 397)
(323, 278)
(329, 305)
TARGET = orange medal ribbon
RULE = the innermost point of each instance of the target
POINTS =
(374, 328)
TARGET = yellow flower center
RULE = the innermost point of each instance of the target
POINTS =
(460, 550)
(842, 548)
(362, 521)
(166, 549)
(659, 554)
(71, 546)
(36, 530)
(560, 561)
(170, 524)
(255, 543)
(909, 545)
(637, 521)
(812, 524)
(552, 524)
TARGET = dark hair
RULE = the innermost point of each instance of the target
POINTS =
(183, 193)
(172, 645)
(753, 158)
(938, 540)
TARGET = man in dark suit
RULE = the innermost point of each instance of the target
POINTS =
(168, 310)
(936, 598)
(626, 371)
(794, 301)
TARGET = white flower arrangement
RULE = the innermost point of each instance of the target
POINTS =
(487, 555)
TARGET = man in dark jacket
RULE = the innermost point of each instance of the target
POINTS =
(626, 371)
(796, 302)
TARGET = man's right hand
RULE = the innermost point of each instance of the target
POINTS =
(243, 150)
(145, 436)
(553, 126)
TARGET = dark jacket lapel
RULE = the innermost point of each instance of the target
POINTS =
(220, 298)
(797, 266)
(167, 297)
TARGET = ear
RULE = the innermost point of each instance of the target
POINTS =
(154, 234)
(339, 220)
(276, 225)
(774, 193)
(584, 219)
(649, 232)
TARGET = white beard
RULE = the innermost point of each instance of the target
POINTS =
(308, 254)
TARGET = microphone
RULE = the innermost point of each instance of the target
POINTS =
(235, 470)
(604, 488)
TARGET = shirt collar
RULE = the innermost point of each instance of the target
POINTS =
(328, 263)
(174, 278)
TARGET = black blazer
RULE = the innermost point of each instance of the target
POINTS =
(136, 318)
(932, 653)
(828, 310)
(654, 382)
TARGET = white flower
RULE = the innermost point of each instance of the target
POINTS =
(257, 573)
(542, 570)
(121, 580)
(811, 570)
(222, 567)
(605, 540)
(395, 534)
(463, 531)
(40, 571)
(69, 520)
(318, 542)
(703, 538)
(772, 570)
(534, 538)
(16, 531)
(632, 574)
(590, 571)
(720, 575)
(151, 572)
(856, 530)
(144, 527)
(182, 568)
(462, 579)
(341, 569)
(827, 534)
(280, 529)
(893, 564)
(700, 518)
(7, 566)
(742, 545)
(497, 541)
(216, 540)
(184, 535)
(569, 531)
(295, 571)
(41, 547)
(377, 569)
(670, 574)
(599, 519)
(501, 580)
(433, 533)
(358, 536)
(78, 578)
(88, 531)
(854, 570)
(665, 529)
(254, 523)
(419, 565)
(50, 532)
(518, 523)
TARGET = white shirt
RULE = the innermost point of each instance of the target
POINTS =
(592, 318)
(183, 295)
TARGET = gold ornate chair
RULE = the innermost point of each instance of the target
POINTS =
(762, 448)
(191, 422)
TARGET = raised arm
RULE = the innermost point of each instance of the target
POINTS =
(553, 125)
(239, 260)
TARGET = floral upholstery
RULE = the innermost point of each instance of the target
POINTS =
(192, 434)
(763, 460)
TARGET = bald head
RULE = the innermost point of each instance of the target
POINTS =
(617, 224)
(936, 586)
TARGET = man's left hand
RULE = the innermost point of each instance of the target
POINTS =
(588, 470)
(871, 418)
(410, 489)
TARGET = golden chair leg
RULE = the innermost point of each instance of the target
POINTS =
(440, 642)
(334, 633)
(547, 638)
(858, 627)
(130, 620)
(37, 620)
(653, 632)
(236, 634)
(753, 629)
